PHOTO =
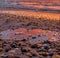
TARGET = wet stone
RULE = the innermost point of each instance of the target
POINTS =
(51, 54)
(44, 54)
(36, 45)
(39, 35)
(33, 37)
(28, 54)
(34, 53)
(56, 56)
(25, 49)
(1, 49)
(24, 39)
(4, 57)
(13, 45)
(33, 46)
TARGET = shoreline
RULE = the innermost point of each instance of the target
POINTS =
(47, 15)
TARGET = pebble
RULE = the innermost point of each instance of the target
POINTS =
(16, 48)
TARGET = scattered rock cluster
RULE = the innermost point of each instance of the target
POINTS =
(10, 21)
(27, 49)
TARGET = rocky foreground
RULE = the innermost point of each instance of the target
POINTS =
(36, 43)
(27, 37)
(12, 21)
(26, 49)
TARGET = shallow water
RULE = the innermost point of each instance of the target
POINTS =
(32, 6)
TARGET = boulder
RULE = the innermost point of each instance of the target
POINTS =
(56, 56)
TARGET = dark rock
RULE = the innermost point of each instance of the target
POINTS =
(13, 45)
(25, 49)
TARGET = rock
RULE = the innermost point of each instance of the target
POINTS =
(13, 45)
(59, 53)
(51, 54)
(23, 44)
(12, 51)
(7, 48)
(1, 49)
(33, 46)
(44, 54)
(34, 37)
(24, 56)
(46, 46)
(4, 57)
(25, 49)
(24, 39)
(56, 56)
(36, 45)
(39, 35)
(1, 39)
(17, 41)
(34, 53)
(47, 42)
(28, 54)
(11, 55)
(17, 51)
